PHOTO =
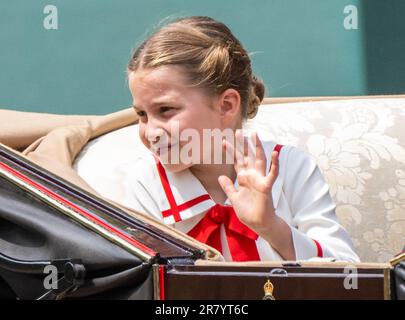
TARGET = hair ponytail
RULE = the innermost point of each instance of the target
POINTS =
(256, 97)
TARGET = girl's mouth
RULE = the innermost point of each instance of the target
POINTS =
(162, 149)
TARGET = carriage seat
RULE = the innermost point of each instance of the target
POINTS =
(359, 145)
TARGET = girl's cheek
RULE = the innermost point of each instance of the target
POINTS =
(145, 143)
(143, 137)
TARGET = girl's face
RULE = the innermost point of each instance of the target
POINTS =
(166, 107)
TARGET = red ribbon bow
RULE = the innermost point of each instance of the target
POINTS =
(241, 239)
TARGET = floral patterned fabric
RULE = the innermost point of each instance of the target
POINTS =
(359, 146)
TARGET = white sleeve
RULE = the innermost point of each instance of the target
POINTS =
(315, 228)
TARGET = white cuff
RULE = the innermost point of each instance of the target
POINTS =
(305, 248)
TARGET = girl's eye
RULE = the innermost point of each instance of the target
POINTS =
(165, 109)
(141, 113)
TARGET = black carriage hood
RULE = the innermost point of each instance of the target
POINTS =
(98, 249)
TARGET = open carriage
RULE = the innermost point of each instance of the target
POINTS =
(60, 239)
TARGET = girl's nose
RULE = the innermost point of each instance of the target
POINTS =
(153, 135)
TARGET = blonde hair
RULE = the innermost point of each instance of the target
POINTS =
(209, 53)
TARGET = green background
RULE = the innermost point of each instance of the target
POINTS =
(299, 48)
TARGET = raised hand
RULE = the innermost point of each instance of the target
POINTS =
(252, 201)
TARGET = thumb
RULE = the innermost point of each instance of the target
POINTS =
(228, 187)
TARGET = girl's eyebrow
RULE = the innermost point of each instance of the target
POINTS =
(154, 105)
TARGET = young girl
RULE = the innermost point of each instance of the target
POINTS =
(270, 204)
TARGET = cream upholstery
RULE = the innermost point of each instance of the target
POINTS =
(359, 145)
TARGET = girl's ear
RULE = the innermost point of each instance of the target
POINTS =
(229, 106)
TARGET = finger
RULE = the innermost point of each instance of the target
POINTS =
(243, 179)
(245, 149)
(260, 156)
(233, 155)
(241, 147)
(229, 150)
(274, 169)
(250, 155)
(228, 187)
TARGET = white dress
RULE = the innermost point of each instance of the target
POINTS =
(300, 196)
